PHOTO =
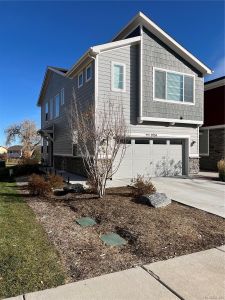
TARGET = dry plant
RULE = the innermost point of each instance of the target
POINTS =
(221, 169)
(143, 186)
(26, 132)
(100, 138)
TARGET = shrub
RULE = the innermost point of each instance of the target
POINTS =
(38, 186)
(143, 186)
(55, 181)
(221, 169)
(22, 170)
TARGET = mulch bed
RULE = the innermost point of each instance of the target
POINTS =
(152, 234)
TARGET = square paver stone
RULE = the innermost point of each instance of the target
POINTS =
(86, 221)
(113, 239)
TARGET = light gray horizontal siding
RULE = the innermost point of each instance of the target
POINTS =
(84, 95)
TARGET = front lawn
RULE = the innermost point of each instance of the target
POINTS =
(28, 261)
(151, 234)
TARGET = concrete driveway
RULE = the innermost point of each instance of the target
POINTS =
(208, 195)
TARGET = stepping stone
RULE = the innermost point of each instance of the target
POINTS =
(86, 221)
(113, 239)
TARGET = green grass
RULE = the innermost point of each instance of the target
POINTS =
(28, 261)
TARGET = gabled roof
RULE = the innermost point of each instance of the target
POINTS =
(143, 20)
(93, 51)
(215, 83)
(49, 70)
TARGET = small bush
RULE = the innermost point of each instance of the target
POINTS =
(38, 186)
(143, 186)
(92, 185)
(27, 161)
(55, 181)
(221, 169)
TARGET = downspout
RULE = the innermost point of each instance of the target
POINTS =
(94, 55)
(139, 119)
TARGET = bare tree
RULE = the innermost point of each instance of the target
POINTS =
(100, 137)
(26, 133)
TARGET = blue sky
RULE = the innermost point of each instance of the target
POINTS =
(36, 34)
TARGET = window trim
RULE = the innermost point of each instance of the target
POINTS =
(207, 153)
(46, 111)
(54, 107)
(62, 93)
(112, 77)
(173, 101)
(88, 79)
(78, 84)
(51, 108)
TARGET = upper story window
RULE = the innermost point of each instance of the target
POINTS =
(118, 77)
(88, 73)
(173, 87)
(62, 96)
(51, 109)
(80, 79)
(46, 111)
(56, 106)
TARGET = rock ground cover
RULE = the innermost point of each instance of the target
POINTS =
(151, 234)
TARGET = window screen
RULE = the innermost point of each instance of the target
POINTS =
(172, 86)
(118, 77)
(160, 85)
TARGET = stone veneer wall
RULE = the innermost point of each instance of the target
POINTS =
(216, 150)
(69, 164)
(193, 165)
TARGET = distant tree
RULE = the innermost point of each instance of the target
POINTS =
(26, 133)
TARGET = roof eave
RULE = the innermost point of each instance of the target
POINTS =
(141, 19)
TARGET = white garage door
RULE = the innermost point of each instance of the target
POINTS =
(155, 157)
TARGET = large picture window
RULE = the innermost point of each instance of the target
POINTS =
(173, 87)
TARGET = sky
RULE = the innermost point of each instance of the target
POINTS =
(34, 35)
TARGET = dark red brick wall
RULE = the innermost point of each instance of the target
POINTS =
(214, 106)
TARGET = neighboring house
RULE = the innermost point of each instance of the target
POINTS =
(15, 151)
(212, 134)
(161, 86)
(3, 150)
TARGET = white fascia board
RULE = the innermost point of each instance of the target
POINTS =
(165, 120)
(168, 40)
(76, 65)
(214, 84)
(117, 44)
(57, 71)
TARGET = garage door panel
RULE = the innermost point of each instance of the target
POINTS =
(153, 159)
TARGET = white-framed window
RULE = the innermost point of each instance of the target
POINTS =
(204, 142)
(51, 109)
(173, 87)
(46, 111)
(56, 106)
(118, 77)
(88, 73)
(80, 79)
(62, 96)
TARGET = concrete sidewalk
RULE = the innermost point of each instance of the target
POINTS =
(195, 276)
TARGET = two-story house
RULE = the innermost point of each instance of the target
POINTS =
(161, 86)
(212, 133)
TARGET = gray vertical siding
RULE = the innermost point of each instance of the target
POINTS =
(156, 54)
